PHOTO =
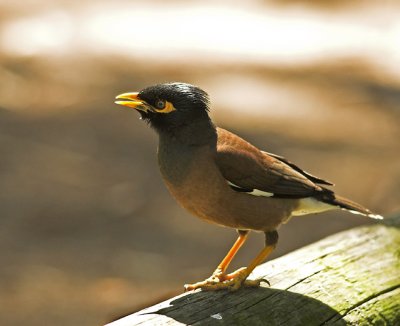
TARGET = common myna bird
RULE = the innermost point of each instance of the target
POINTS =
(223, 179)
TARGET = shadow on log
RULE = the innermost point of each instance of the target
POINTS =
(350, 278)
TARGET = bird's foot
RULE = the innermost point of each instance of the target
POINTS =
(221, 281)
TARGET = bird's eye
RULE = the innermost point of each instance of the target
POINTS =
(160, 104)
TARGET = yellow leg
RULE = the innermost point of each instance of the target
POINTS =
(239, 277)
(219, 274)
(260, 258)
(223, 265)
(233, 281)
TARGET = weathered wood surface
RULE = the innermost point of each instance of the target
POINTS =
(351, 278)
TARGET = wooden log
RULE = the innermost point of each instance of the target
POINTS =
(351, 278)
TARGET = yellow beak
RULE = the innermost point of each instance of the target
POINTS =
(133, 102)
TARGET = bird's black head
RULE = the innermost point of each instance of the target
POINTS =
(169, 107)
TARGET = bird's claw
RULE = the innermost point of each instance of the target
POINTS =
(220, 281)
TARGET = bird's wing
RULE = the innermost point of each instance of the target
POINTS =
(247, 169)
(309, 176)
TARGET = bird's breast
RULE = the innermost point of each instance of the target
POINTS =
(195, 181)
(192, 177)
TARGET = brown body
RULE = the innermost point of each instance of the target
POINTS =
(211, 198)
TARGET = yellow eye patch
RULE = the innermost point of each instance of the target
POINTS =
(164, 106)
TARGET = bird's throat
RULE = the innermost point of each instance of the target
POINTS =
(201, 133)
(178, 151)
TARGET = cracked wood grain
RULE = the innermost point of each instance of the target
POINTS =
(350, 278)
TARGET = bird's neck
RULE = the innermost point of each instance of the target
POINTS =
(177, 152)
(194, 134)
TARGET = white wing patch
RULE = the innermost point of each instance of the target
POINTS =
(257, 192)
(254, 192)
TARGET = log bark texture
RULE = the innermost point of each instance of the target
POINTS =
(350, 278)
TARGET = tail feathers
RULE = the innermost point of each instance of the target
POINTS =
(349, 205)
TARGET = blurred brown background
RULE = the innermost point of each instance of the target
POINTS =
(88, 231)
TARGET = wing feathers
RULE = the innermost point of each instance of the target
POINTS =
(296, 168)
(248, 168)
